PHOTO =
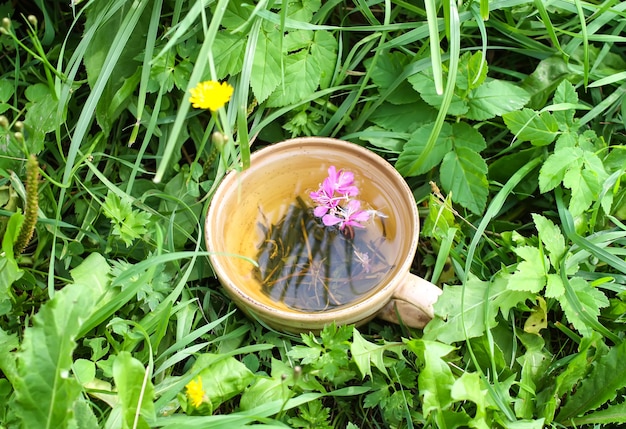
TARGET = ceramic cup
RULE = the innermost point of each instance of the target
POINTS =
(277, 175)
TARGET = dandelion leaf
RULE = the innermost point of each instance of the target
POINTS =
(607, 377)
(365, 354)
(135, 392)
(46, 391)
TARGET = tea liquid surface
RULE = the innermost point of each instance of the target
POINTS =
(309, 266)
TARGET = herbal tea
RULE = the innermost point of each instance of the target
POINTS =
(322, 257)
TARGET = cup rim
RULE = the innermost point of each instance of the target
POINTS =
(362, 310)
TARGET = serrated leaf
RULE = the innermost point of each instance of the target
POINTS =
(609, 416)
(236, 14)
(302, 77)
(556, 166)
(466, 136)
(40, 119)
(266, 65)
(468, 387)
(324, 53)
(46, 392)
(590, 299)
(551, 237)
(365, 353)
(495, 98)
(303, 10)
(388, 68)
(472, 71)
(222, 377)
(577, 367)
(554, 286)
(540, 129)
(530, 274)
(585, 186)
(416, 145)
(463, 173)
(435, 380)
(607, 377)
(458, 318)
(135, 392)
(404, 118)
(424, 83)
(565, 94)
(228, 51)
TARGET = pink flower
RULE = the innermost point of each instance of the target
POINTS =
(341, 182)
(350, 215)
(334, 201)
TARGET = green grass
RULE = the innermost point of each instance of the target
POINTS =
(514, 109)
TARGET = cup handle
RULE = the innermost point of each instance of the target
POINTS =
(411, 303)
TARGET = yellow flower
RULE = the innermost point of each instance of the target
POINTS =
(210, 95)
(195, 393)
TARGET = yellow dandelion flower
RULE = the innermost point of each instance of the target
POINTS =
(195, 393)
(210, 95)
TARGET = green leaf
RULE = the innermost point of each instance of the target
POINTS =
(530, 274)
(324, 54)
(551, 237)
(128, 224)
(556, 166)
(388, 68)
(266, 65)
(554, 286)
(301, 79)
(303, 10)
(607, 377)
(458, 317)
(228, 52)
(495, 98)
(264, 390)
(222, 377)
(472, 71)
(538, 318)
(585, 186)
(135, 392)
(46, 392)
(9, 270)
(540, 129)
(415, 146)
(435, 380)
(468, 387)
(129, 58)
(463, 173)
(365, 353)
(424, 83)
(565, 94)
(590, 301)
(41, 116)
(611, 415)
(465, 136)
(404, 118)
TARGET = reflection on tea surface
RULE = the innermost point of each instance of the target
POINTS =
(311, 266)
